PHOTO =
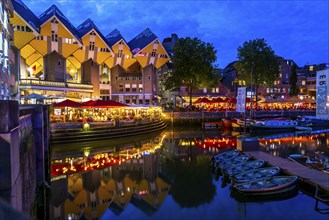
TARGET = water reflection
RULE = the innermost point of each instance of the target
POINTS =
(160, 177)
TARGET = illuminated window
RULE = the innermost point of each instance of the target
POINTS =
(303, 82)
(268, 90)
(280, 75)
(311, 68)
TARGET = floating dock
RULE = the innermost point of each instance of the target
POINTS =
(308, 175)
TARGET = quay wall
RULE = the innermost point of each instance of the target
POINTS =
(199, 117)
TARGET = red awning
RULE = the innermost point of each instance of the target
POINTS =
(67, 103)
(103, 104)
(202, 100)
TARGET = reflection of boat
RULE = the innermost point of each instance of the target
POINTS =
(233, 161)
(227, 123)
(242, 167)
(255, 174)
(268, 198)
(225, 155)
(268, 186)
(273, 124)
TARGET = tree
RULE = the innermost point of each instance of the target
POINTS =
(257, 59)
(193, 65)
(293, 81)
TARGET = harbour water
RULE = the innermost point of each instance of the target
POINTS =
(167, 176)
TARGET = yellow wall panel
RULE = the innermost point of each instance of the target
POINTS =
(128, 62)
(148, 49)
(142, 60)
(46, 29)
(80, 55)
(110, 62)
(102, 56)
(16, 20)
(22, 38)
(74, 62)
(68, 49)
(86, 40)
(161, 50)
(126, 50)
(40, 46)
(99, 42)
(160, 62)
(115, 48)
(33, 58)
(26, 51)
(63, 32)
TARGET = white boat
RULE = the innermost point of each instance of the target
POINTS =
(273, 125)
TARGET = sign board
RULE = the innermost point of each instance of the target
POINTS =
(322, 94)
(241, 100)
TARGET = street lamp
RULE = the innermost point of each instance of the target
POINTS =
(251, 88)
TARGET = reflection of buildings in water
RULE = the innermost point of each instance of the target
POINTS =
(89, 194)
(304, 145)
(185, 146)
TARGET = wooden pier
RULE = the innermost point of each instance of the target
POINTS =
(308, 175)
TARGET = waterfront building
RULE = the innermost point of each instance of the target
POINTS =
(306, 77)
(58, 60)
(7, 59)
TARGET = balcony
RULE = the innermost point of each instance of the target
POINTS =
(51, 85)
(104, 86)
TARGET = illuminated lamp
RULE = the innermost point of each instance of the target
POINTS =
(86, 126)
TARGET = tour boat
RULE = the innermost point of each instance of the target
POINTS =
(273, 124)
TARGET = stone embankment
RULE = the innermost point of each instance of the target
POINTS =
(74, 132)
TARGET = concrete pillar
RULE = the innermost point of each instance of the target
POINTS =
(248, 144)
(11, 179)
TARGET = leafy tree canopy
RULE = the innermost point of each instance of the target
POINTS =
(257, 56)
(293, 81)
(193, 65)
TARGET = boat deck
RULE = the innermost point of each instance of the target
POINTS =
(305, 174)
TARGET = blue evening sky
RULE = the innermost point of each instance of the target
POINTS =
(297, 30)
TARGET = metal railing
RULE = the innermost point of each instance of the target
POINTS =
(25, 125)
(36, 82)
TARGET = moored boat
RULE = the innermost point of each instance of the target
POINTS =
(255, 174)
(233, 161)
(273, 125)
(267, 186)
(311, 162)
(242, 167)
(225, 155)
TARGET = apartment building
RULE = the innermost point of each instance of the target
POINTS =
(58, 60)
(7, 58)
